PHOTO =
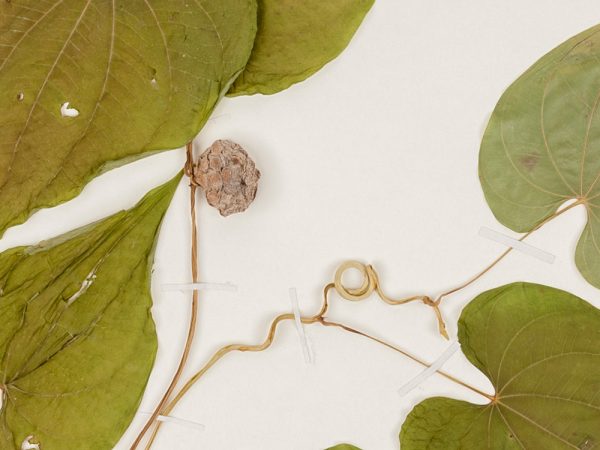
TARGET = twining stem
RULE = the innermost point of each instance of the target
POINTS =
(328, 323)
(371, 284)
(319, 318)
(472, 280)
(194, 313)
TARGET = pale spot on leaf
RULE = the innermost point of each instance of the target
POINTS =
(28, 445)
(588, 444)
(65, 111)
(85, 285)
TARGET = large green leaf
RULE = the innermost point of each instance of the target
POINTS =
(295, 39)
(77, 340)
(540, 348)
(542, 145)
(144, 76)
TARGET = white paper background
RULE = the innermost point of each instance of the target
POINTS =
(374, 158)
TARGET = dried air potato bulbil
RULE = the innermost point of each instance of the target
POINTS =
(228, 177)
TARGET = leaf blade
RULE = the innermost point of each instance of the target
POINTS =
(295, 40)
(78, 340)
(144, 75)
(542, 145)
(538, 346)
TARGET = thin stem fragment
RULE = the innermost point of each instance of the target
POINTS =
(507, 251)
(329, 323)
(194, 312)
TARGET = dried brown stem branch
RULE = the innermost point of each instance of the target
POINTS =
(370, 285)
(319, 318)
(509, 250)
(194, 313)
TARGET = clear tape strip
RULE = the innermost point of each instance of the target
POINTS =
(433, 368)
(517, 245)
(298, 321)
(176, 420)
(168, 287)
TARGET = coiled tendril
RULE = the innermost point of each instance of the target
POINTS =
(371, 284)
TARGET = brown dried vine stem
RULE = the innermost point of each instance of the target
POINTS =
(194, 312)
(371, 279)
(370, 284)
(318, 318)
(579, 201)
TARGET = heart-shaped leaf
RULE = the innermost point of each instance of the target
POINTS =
(540, 348)
(295, 39)
(77, 340)
(542, 145)
(87, 85)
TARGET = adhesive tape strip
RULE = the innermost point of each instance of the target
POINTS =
(433, 368)
(176, 420)
(517, 245)
(298, 321)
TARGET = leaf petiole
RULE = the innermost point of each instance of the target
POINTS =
(579, 201)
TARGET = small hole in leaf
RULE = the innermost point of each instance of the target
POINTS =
(28, 445)
(20, 96)
(66, 111)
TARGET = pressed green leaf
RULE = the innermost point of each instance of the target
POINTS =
(343, 447)
(295, 39)
(540, 348)
(77, 340)
(542, 145)
(143, 76)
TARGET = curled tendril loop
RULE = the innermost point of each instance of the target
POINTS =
(370, 284)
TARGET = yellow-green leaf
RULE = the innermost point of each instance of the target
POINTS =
(77, 340)
(343, 447)
(542, 145)
(86, 85)
(540, 348)
(295, 39)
